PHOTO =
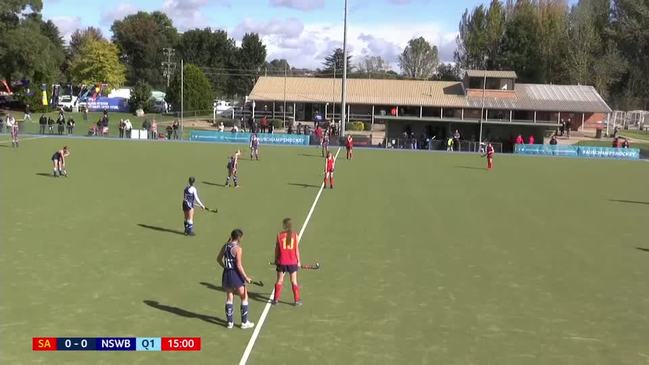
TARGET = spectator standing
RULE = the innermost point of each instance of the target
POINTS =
(531, 140)
(28, 113)
(70, 125)
(170, 130)
(154, 129)
(85, 114)
(625, 144)
(60, 122)
(553, 140)
(175, 128)
(264, 124)
(456, 140)
(146, 125)
(562, 127)
(50, 125)
(221, 127)
(42, 121)
(127, 128)
(120, 127)
(519, 139)
(270, 127)
(568, 127)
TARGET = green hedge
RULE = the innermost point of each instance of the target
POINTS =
(277, 123)
(227, 122)
(355, 126)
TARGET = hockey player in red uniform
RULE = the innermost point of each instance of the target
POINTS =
(349, 143)
(287, 259)
(490, 156)
(330, 164)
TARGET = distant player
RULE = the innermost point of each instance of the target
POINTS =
(287, 259)
(234, 278)
(12, 125)
(190, 198)
(490, 156)
(349, 143)
(325, 143)
(330, 164)
(232, 166)
(58, 160)
(254, 146)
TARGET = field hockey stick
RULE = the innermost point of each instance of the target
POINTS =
(257, 283)
(211, 210)
(315, 266)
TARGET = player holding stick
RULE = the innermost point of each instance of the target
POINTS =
(234, 278)
(58, 160)
(287, 259)
(190, 198)
(325, 143)
(490, 156)
(12, 125)
(330, 164)
(254, 146)
(349, 144)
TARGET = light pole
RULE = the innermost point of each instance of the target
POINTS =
(343, 103)
(182, 98)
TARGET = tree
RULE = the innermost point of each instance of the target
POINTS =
(211, 50)
(140, 38)
(82, 35)
(448, 72)
(25, 52)
(520, 48)
(141, 97)
(277, 67)
(333, 64)
(471, 41)
(198, 93)
(554, 36)
(98, 62)
(247, 64)
(419, 59)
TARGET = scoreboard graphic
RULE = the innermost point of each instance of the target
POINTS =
(151, 344)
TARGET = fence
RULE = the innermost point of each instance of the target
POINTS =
(579, 151)
(439, 145)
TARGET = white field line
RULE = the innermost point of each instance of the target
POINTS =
(23, 139)
(264, 314)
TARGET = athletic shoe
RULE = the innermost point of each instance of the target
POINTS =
(247, 325)
(298, 303)
(230, 325)
(192, 234)
(273, 302)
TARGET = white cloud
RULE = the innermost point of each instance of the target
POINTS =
(67, 25)
(306, 45)
(304, 5)
(119, 12)
(189, 14)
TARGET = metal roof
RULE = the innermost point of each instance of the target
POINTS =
(492, 74)
(552, 98)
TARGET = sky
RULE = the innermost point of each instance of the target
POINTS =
(301, 31)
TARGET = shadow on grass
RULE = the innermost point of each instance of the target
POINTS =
(469, 168)
(213, 184)
(45, 174)
(257, 297)
(161, 229)
(309, 155)
(305, 185)
(642, 249)
(185, 313)
(628, 201)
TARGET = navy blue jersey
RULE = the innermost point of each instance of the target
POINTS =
(188, 196)
(229, 259)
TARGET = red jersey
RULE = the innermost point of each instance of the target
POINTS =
(490, 151)
(330, 164)
(286, 250)
(350, 142)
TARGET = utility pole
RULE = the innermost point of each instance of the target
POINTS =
(168, 66)
(182, 98)
(343, 109)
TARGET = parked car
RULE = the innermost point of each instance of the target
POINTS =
(222, 107)
(67, 102)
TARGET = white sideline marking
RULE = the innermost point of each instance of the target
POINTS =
(264, 314)
(22, 139)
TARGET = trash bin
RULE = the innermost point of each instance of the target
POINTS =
(598, 133)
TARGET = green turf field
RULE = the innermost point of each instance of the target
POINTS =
(426, 257)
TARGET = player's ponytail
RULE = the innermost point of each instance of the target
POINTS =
(288, 227)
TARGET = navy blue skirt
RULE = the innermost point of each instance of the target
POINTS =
(231, 279)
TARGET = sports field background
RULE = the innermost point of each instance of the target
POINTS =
(426, 257)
